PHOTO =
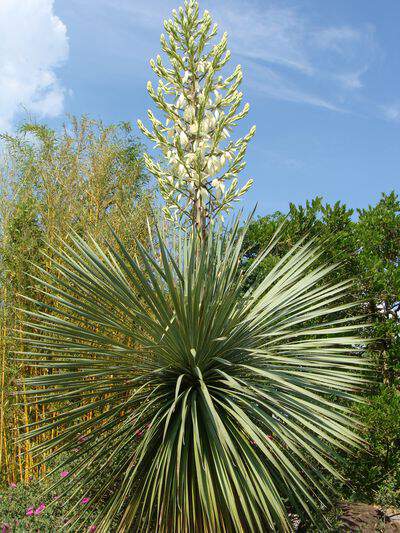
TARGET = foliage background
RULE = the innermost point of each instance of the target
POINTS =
(366, 244)
(91, 175)
(86, 178)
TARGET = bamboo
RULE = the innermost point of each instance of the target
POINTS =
(82, 180)
(3, 450)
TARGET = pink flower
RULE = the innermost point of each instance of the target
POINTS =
(64, 473)
(82, 438)
(85, 500)
(29, 511)
(13, 485)
(41, 508)
(253, 443)
(269, 437)
(56, 497)
(5, 528)
(92, 528)
(139, 432)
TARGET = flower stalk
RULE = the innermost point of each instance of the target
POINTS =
(197, 175)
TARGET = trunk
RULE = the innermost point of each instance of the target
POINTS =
(200, 220)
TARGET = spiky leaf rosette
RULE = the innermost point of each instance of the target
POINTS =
(212, 408)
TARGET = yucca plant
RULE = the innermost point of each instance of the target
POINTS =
(189, 399)
(216, 408)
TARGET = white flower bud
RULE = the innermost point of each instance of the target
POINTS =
(180, 102)
(189, 158)
(189, 113)
(186, 77)
(204, 126)
(210, 118)
(183, 139)
(211, 166)
(204, 193)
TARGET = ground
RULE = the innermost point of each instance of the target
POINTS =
(364, 518)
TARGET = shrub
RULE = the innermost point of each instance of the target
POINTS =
(220, 412)
(21, 509)
(374, 472)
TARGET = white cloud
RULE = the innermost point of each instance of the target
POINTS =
(391, 112)
(336, 38)
(268, 82)
(266, 32)
(271, 34)
(286, 54)
(351, 80)
(147, 14)
(291, 58)
(33, 43)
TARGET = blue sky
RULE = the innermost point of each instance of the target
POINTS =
(322, 78)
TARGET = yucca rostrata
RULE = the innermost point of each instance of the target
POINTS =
(216, 405)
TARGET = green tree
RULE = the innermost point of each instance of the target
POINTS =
(378, 239)
(366, 243)
(329, 224)
(22, 242)
(377, 472)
